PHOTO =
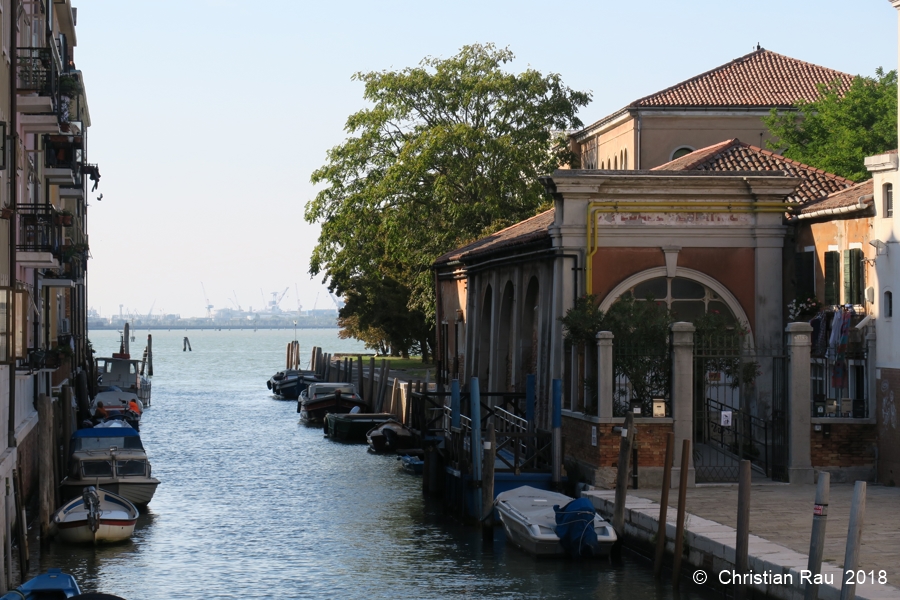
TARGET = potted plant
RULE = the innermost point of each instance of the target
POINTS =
(64, 218)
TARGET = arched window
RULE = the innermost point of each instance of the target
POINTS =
(686, 298)
(888, 200)
(682, 151)
(616, 163)
(625, 158)
(888, 305)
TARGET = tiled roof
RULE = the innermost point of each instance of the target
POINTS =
(523, 232)
(847, 199)
(735, 155)
(762, 79)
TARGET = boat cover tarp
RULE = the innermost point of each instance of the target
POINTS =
(575, 527)
(534, 504)
(98, 432)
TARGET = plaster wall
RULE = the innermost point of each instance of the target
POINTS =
(663, 133)
(840, 235)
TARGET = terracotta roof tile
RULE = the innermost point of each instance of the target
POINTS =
(761, 78)
(523, 232)
(735, 155)
(847, 198)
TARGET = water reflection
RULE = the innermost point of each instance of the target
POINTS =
(253, 504)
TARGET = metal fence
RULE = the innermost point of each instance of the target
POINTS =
(642, 380)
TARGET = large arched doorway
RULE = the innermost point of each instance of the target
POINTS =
(504, 381)
(528, 332)
(484, 338)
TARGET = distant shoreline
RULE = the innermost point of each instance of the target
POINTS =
(142, 327)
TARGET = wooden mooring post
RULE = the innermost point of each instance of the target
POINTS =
(46, 471)
(625, 444)
(382, 385)
(679, 521)
(556, 455)
(475, 444)
(360, 382)
(21, 524)
(817, 536)
(854, 538)
(370, 392)
(149, 355)
(487, 485)
(664, 506)
(742, 541)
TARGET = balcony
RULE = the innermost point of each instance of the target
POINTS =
(36, 72)
(39, 236)
(62, 158)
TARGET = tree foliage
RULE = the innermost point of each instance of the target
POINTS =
(446, 152)
(836, 132)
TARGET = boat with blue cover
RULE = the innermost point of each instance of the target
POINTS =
(545, 523)
(111, 458)
(52, 584)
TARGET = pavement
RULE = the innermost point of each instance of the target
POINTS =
(782, 514)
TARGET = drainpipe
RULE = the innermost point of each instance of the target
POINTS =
(13, 224)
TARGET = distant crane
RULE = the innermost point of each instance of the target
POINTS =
(299, 306)
(316, 303)
(276, 299)
(338, 303)
(152, 306)
(236, 301)
(209, 306)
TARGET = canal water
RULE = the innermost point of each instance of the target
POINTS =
(253, 504)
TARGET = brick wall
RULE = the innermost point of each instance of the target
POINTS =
(846, 445)
(651, 442)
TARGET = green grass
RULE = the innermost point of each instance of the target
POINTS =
(411, 367)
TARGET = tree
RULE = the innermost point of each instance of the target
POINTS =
(836, 132)
(447, 152)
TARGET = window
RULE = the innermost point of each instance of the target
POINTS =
(682, 151)
(888, 311)
(805, 265)
(854, 276)
(832, 278)
(131, 468)
(96, 468)
(888, 200)
(688, 299)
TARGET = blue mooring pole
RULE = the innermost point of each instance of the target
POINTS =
(477, 449)
(454, 403)
(557, 432)
(529, 399)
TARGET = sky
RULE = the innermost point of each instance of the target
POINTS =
(208, 116)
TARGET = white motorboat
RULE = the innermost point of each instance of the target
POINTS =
(97, 516)
(546, 523)
(111, 458)
(119, 379)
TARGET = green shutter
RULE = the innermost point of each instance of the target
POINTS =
(832, 274)
(848, 276)
(854, 276)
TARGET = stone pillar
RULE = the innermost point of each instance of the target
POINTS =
(799, 400)
(682, 395)
(605, 374)
(871, 382)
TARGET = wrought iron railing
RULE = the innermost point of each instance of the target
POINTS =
(737, 435)
(36, 71)
(40, 229)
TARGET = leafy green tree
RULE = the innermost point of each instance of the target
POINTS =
(446, 152)
(836, 132)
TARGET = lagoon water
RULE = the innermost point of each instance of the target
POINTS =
(253, 504)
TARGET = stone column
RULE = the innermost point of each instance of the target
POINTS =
(682, 395)
(871, 390)
(605, 374)
(799, 400)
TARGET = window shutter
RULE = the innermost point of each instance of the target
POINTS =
(805, 273)
(857, 274)
(848, 276)
(832, 266)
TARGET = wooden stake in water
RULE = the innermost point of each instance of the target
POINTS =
(664, 505)
(854, 538)
(487, 485)
(742, 556)
(817, 537)
(625, 444)
(679, 521)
